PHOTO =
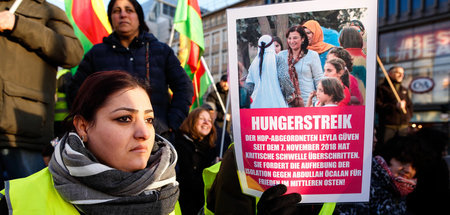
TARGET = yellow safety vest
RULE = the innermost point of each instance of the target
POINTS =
(61, 108)
(36, 195)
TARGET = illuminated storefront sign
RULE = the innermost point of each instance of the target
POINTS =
(421, 85)
(424, 45)
(424, 52)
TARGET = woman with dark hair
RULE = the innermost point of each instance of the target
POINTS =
(278, 44)
(330, 93)
(110, 162)
(357, 89)
(194, 142)
(301, 65)
(358, 25)
(131, 48)
(315, 38)
(352, 41)
(336, 68)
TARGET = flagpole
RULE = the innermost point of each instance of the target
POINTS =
(196, 89)
(213, 84)
(14, 7)
(224, 128)
(172, 33)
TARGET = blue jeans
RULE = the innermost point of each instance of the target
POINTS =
(18, 163)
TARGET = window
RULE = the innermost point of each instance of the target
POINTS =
(416, 5)
(403, 6)
(208, 60)
(381, 9)
(215, 59)
(207, 22)
(224, 35)
(168, 10)
(429, 3)
(213, 21)
(224, 58)
(392, 7)
(216, 38)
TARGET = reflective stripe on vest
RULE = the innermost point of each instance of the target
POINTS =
(61, 108)
(36, 194)
(327, 208)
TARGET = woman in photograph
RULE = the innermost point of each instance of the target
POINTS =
(330, 93)
(262, 78)
(336, 68)
(351, 40)
(194, 142)
(357, 89)
(358, 25)
(278, 44)
(315, 38)
(110, 162)
(301, 65)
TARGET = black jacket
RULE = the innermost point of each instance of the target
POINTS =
(386, 105)
(165, 72)
(193, 157)
(212, 97)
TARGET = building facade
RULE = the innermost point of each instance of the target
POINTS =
(159, 17)
(216, 37)
(415, 34)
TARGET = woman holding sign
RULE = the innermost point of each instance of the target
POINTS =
(302, 66)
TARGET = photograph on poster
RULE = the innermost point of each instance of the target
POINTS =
(298, 76)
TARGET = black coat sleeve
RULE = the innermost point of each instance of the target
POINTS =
(182, 90)
(84, 70)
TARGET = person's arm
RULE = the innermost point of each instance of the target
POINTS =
(55, 41)
(182, 89)
(286, 86)
(316, 68)
(309, 102)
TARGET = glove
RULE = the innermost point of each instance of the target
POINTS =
(273, 201)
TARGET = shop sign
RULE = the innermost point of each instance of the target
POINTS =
(417, 46)
(421, 85)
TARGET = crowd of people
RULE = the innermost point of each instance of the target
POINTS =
(291, 77)
(130, 147)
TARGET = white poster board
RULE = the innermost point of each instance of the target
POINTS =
(324, 153)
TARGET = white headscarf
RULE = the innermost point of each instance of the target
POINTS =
(267, 92)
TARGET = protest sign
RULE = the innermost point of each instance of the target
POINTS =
(323, 151)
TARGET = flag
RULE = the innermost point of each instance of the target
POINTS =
(89, 21)
(188, 22)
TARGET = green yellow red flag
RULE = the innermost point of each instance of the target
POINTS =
(89, 20)
(188, 22)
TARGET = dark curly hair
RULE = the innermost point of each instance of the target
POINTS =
(301, 30)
